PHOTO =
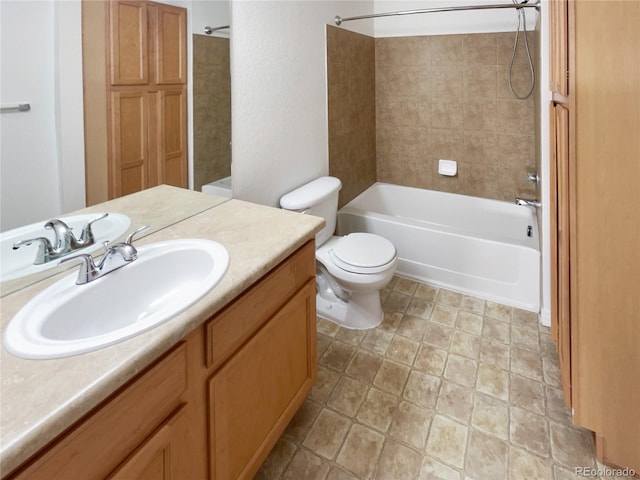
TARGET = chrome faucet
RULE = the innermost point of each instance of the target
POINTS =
(528, 203)
(65, 241)
(115, 257)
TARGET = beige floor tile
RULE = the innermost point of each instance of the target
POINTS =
(496, 331)
(391, 321)
(326, 382)
(524, 318)
(410, 425)
(547, 347)
(360, 451)
(527, 393)
(530, 431)
(398, 461)
(351, 337)
(402, 349)
(322, 343)
(277, 461)
(455, 401)
(465, 344)
(447, 441)
(461, 370)
(325, 327)
(327, 433)
(421, 308)
(377, 340)
(487, 456)
(556, 409)
(406, 286)
(300, 424)
(422, 389)
(570, 446)
(560, 473)
(526, 338)
(433, 470)
(306, 465)
(412, 327)
(497, 311)
(337, 356)
(526, 466)
(472, 304)
(347, 397)
(551, 373)
(438, 335)
(444, 314)
(448, 297)
(391, 377)
(491, 415)
(378, 409)
(430, 360)
(426, 292)
(337, 474)
(495, 354)
(396, 302)
(469, 322)
(364, 366)
(526, 363)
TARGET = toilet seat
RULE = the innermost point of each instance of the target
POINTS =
(364, 253)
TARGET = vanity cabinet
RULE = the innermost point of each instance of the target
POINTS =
(595, 171)
(135, 96)
(214, 405)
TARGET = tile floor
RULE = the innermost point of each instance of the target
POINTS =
(447, 387)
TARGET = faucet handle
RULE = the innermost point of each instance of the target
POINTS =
(86, 236)
(533, 177)
(88, 269)
(129, 239)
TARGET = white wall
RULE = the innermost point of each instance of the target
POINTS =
(279, 94)
(211, 13)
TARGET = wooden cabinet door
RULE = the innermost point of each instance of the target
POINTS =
(256, 393)
(128, 42)
(171, 142)
(129, 163)
(170, 49)
(560, 221)
(559, 46)
(160, 456)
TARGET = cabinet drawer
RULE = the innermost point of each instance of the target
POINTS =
(110, 433)
(235, 324)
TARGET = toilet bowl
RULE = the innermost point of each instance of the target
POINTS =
(350, 270)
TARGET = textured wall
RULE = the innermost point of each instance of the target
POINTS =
(447, 97)
(351, 99)
(211, 110)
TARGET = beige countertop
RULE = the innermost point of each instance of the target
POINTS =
(39, 399)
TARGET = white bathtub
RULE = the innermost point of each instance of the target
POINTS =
(480, 247)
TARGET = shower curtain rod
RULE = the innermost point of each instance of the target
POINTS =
(210, 30)
(338, 19)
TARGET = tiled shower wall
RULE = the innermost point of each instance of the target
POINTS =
(211, 109)
(445, 97)
(352, 122)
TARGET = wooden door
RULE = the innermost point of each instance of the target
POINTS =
(170, 49)
(128, 43)
(171, 142)
(559, 46)
(160, 456)
(256, 393)
(129, 131)
(561, 280)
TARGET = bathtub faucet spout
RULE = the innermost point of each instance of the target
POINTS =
(528, 203)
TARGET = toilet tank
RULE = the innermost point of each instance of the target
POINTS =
(319, 198)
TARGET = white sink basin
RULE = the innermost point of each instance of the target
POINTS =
(19, 263)
(68, 319)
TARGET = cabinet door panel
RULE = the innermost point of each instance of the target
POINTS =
(129, 153)
(559, 46)
(256, 393)
(128, 43)
(172, 138)
(171, 49)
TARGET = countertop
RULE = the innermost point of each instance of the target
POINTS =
(41, 398)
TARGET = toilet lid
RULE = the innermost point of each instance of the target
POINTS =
(363, 253)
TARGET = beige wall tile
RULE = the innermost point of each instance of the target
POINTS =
(480, 81)
(447, 50)
(400, 51)
(480, 49)
(481, 115)
(360, 451)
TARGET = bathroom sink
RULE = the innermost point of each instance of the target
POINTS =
(68, 319)
(19, 263)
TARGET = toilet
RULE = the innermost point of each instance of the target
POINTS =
(350, 270)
